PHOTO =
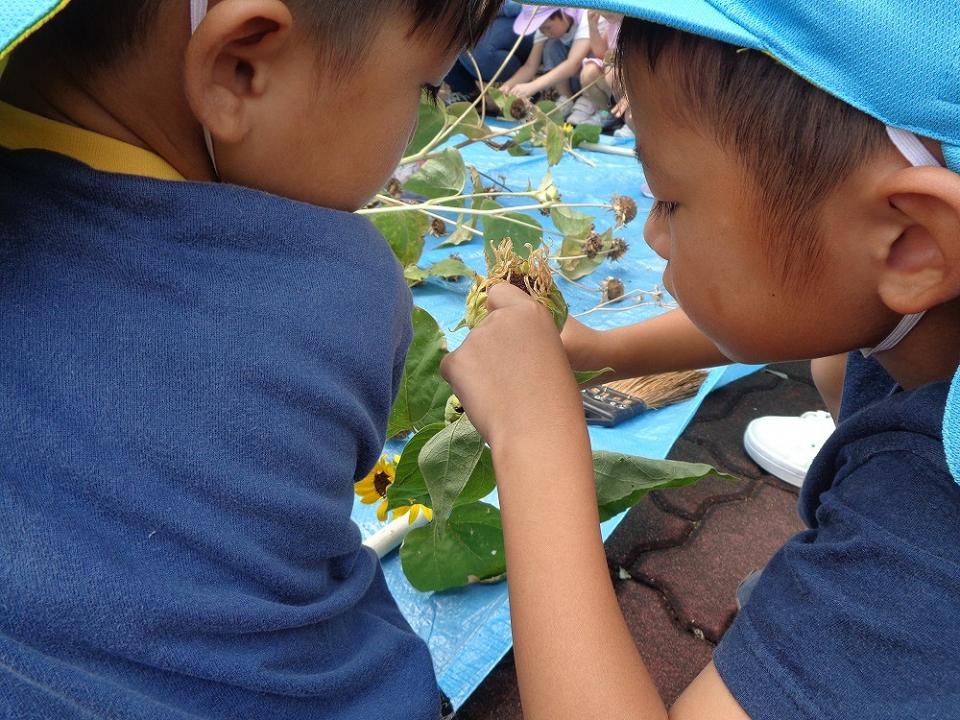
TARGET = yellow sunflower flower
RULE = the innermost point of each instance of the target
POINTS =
(567, 129)
(373, 489)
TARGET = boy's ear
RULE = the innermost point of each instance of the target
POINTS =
(921, 266)
(229, 60)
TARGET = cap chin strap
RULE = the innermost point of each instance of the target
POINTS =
(198, 11)
(917, 155)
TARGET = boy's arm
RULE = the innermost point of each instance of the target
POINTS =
(598, 40)
(527, 71)
(666, 343)
(564, 71)
(575, 655)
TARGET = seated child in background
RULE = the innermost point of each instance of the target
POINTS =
(598, 78)
(560, 45)
(795, 226)
(194, 374)
(489, 55)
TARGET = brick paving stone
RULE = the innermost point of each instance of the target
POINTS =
(498, 697)
(673, 657)
(645, 527)
(700, 578)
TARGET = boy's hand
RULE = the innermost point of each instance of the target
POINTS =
(511, 374)
(522, 90)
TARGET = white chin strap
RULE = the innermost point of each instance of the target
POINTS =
(198, 11)
(917, 155)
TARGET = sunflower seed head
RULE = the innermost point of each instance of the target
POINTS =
(625, 208)
(618, 249)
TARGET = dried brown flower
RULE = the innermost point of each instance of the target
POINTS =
(593, 245)
(618, 249)
(625, 209)
(438, 227)
(612, 289)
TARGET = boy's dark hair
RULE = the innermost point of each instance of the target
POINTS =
(798, 142)
(90, 34)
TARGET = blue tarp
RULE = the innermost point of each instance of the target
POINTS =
(468, 630)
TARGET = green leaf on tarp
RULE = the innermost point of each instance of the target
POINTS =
(423, 393)
(571, 222)
(551, 110)
(410, 487)
(450, 269)
(518, 151)
(501, 100)
(554, 143)
(447, 462)
(462, 234)
(442, 176)
(405, 232)
(523, 135)
(585, 133)
(470, 550)
(582, 266)
(586, 376)
(521, 229)
(623, 480)
(414, 275)
(471, 125)
(431, 121)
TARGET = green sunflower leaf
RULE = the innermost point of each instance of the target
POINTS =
(450, 268)
(555, 143)
(469, 550)
(430, 122)
(462, 234)
(410, 487)
(587, 375)
(571, 222)
(585, 134)
(623, 480)
(471, 126)
(448, 461)
(423, 392)
(405, 232)
(442, 176)
(520, 228)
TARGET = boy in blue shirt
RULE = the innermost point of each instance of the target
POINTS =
(804, 157)
(193, 374)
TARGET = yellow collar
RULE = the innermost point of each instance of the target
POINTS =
(22, 130)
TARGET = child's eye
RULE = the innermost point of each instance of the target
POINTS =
(431, 91)
(662, 209)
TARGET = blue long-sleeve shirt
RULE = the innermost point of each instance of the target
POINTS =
(192, 376)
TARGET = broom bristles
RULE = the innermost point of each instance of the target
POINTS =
(658, 391)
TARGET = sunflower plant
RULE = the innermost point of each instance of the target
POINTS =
(445, 471)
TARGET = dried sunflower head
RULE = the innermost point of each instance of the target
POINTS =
(518, 109)
(612, 289)
(438, 227)
(618, 249)
(625, 208)
(593, 245)
(531, 274)
(453, 410)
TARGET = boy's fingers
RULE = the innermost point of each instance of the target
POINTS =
(504, 295)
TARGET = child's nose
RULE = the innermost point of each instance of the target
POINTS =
(656, 233)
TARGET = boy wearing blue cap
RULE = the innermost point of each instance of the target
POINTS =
(193, 374)
(797, 151)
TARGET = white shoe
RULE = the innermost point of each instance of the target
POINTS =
(583, 110)
(565, 106)
(623, 132)
(785, 446)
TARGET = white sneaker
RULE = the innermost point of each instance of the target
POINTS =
(785, 446)
(623, 132)
(565, 106)
(583, 110)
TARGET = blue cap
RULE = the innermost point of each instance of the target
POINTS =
(895, 60)
(21, 18)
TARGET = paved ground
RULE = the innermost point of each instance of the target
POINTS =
(678, 557)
